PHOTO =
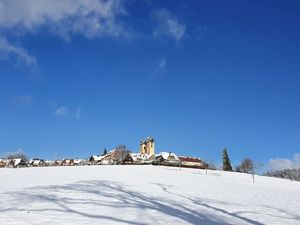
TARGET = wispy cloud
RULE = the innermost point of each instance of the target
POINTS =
(160, 66)
(90, 18)
(24, 100)
(64, 18)
(62, 111)
(283, 163)
(168, 25)
(10, 51)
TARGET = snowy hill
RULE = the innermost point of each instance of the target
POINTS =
(144, 195)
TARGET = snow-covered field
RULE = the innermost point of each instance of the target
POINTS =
(144, 195)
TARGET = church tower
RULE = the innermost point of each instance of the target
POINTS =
(147, 146)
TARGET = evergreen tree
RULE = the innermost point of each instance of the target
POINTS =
(226, 161)
(104, 152)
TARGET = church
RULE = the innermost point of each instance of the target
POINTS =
(147, 146)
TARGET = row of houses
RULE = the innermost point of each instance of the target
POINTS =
(19, 163)
(13, 163)
(119, 157)
(114, 157)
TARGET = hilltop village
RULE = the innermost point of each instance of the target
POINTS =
(118, 156)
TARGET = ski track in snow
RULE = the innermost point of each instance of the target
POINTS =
(144, 195)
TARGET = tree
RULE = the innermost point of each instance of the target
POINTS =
(123, 150)
(210, 165)
(104, 152)
(18, 156)
(226, 162)
(246, 166)
(238, 169)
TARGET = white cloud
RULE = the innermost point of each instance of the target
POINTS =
(62, 111)
(91, 18)
(64, 18)
(168, 25)
(161, 66)
(283, 163)
(10, 51)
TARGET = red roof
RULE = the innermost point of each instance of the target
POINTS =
(189, 159)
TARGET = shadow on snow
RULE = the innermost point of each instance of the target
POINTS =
(78, 197)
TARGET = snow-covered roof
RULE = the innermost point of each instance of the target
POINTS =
(190, 159)
(17, 161)
(167, 155)
(111, 152)
(97, 157)
(78, 160)
(36, 162)
(140, 156)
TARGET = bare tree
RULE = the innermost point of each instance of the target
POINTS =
(18, 156)
(246, 166)
(123, 151)
(210, 165)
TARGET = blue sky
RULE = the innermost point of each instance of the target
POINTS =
(80, 76)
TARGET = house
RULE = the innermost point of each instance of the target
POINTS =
(96, 159)
(78, 162)
(127, 160)
(167, 159)
(16, 163)
(142, 158)
(58, 162)
(2, 163)
(113, 157)
(192, 162)
(68, 162)
(49, 163)
(37, 162)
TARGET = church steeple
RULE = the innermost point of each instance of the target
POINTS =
(147, 146)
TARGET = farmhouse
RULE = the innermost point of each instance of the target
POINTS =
(113, 157)
(58, 162)
(191, 162)
(167, 159)
(127, 159)
(142, 158)
(49, 163)
(16, 163)
(68, 162)
(2, 163)
(37, 162)
(96, 159)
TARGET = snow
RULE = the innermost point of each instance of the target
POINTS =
(97, 158)
(140, 156)
(17, 162)
(144, 195)
(166, 155)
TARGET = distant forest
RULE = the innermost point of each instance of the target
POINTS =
(291, 174)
